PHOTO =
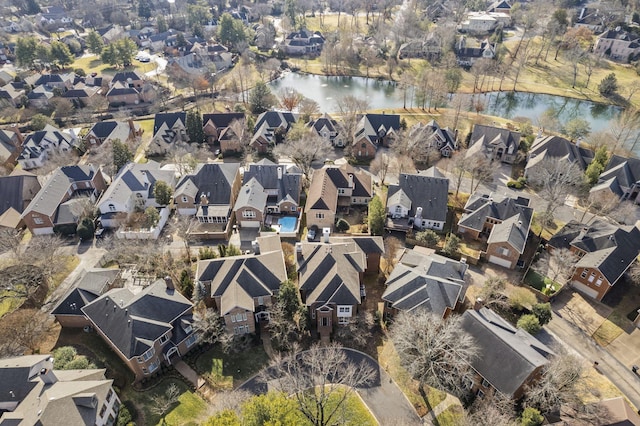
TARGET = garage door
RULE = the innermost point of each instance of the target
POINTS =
(584, 289)
(249, 224)
(500, 261)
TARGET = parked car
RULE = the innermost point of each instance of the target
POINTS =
(312, 232)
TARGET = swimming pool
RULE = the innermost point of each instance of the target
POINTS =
(287, 223)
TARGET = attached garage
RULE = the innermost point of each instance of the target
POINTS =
(249, 224)
(500, 261)
(582, 288)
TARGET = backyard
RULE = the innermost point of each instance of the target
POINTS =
(225, 371)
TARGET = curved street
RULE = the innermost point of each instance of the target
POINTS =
(383, 397)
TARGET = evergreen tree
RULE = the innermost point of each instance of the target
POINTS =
(94, 42)
(194, 127)
(60, 54)
(260, 98)
(376, 216)
(26, 51)
(162, 193)
(230, 30)
(121, 155)
(126, 49)
(162, 24)
(109, 55)
(609, 85)
(144, 9)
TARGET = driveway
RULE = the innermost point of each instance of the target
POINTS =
(383, 397)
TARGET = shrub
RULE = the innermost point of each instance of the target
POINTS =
(428, 237)
(609, 85)
(63, 356)
(124, 416)
(207, 253)
(529, 323)
(531, 417)
(342, 225)
(516, 184)
(85, 229)
(542, 311)
(452, 245)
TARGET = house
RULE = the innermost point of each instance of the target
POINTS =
(131, 190)
(508, 358)
(270, 129)
(418, 201)
(495, 143)
(128, 79)
(54, 16)
(329, 129)
(267, 189)
(372, 131)
(209, 194)
(146, 329)
(618, 45)
(334, 188)
(621, 177)
(591, 19)
(467, 56)
(80, 97)
(434, 139)
(479, 23)
(38, 145)
(192, 65)
(427, 282)
(303, 42)
(169, 128)
(11, 141)
(330, 278)
(39, 97)
(157, 42)
(604, 252)
(371, 246)
(33, 393)
(112, 130)
(16, 192)
(429, 48)
(216, 127)
(503, 221)
(110, 33)
(61, 200)
(243, 288)
(212, 54)
(500, 6)
(556, 147)
(62, 82)
(121, 94)
(91, 285)
(615, 412)
(12, 94)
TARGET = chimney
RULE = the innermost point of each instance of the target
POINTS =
(326, 232)
(479, 304)
(279, 173)
(46, 372)
(299, 251)
(204, 201)
(132, 127)
(169, 283)
(419, 213)
(255, 245)
(18, 133)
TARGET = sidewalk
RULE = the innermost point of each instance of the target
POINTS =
(432, 416)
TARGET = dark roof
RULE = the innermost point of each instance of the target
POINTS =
(91, 286)
(103, 129)
(124, 76)
(168, 118)
(222, 119)
(386, 121)
(558, 147)
(275, 119)
(368, 245)
(507, 356)
(12, 191)
(48, 79)
(133, 322)
(609, 248)
(430, 193)
(214, 180)
(490, 135)
(289, 184)
(119, 91)
(625, 172)
(430, 282)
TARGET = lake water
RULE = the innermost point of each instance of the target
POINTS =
(380, 94)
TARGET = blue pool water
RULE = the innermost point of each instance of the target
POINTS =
(287, 224)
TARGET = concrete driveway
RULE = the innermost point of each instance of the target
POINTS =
(580, 312)
(382, 397)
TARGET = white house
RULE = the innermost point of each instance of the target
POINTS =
(38, 146)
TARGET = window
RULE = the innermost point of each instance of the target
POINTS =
(163, 339)
(260, 300)
(319, 215)
(584, 273)
(233, 318)
(184, 199)
(599, 282)
(103, 409)
(480, 394)
(116, 406)
(485, 383)
(191, 340)
(504, 251)
(38, 220)
(340, 191)
(592, 277)
(313, 314)
(343, 320)
(111, 419)
(249, 214)
(293, 208)
(355, 200)
(109, 395)
(324, 322)
(148, 354)
(398, 209)
(153, 367)
(112, 208)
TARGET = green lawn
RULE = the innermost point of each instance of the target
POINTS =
(452, 416)
(228, 370)
(92, 64)
(541, 283)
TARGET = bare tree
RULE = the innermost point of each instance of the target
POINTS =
(350, 107)
(320, 379)
(625, 213)
(208, 324)
(633, 274)
(560, 384)
(461, 165)
(10, 240)
(160, 404)
(24, 282)
(434, 351)
(22, 329)
(600, 203)
(554, 179)
(557, 265)
(303, 150)
(493, 293)
(43, 251)
(391, 247)
(495, 411)
(290, 98)
(380, 165)
(358, 332)
(481, 172)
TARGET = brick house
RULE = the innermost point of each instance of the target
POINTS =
(144, 329)
(618, 45)
(16, 191)
(604, 253)
(330, 277)
(38, 145)
(270, 129)
(428, 282)
(373, 131)
(169, 128)
(243, 288)
(60, 199)
(502, 222)
(621, 177)
(556, 147)
(508, 359)
(329, 129)
(111, 130)
(216, 125)
(495, 143)
(334, 188)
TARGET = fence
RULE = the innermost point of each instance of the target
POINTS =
(145, 234)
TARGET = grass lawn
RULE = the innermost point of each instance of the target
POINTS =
(539, 282)
(9, 305)
(452, 416)
(92, 64)
(548, 231)
(70, 263)
(390, 361)
(229, 370)
(596, 386)
(353, 412)
(611, 328)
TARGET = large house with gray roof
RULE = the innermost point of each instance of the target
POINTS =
(502, 222)
(132, 189)
(604, 253)
(329, 129)
(243, 288)
(621, 177)
(268, 189)
(209, 194)
(270, 129)
(145, 329)
(494, 143)
(330, 278)
(418, 201)
(62, 199)
(508, 358)
(33, 393)
(169, 128)
(112, 130)
(428, 282)
(374, 131)
(555, 147)
(16, 192)
(38, 145)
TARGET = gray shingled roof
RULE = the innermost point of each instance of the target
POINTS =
(214, 180)
(252, 194)
(430, 193)
(289, 184)
(507, 356)
(89, 287)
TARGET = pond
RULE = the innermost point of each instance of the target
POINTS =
(539, 108)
